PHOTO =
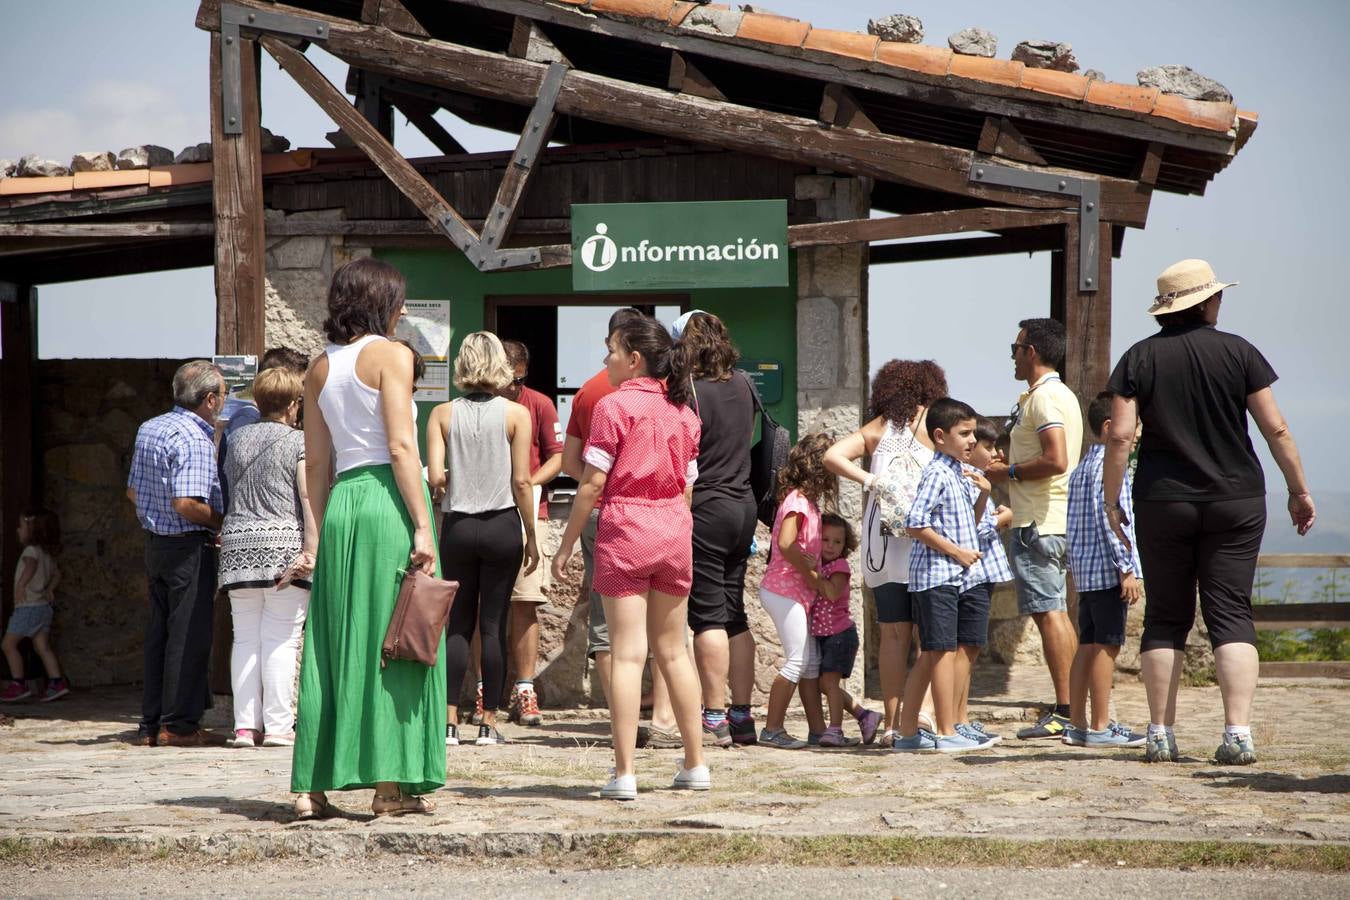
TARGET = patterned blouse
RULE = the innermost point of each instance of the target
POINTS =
(264, 526)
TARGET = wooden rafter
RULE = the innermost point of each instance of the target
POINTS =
(995, 218)
(528, 41)
(838, 107)
(422, 116)
(615, 102)
(687, 78)
(525, 158)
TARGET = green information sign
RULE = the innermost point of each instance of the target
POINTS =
(767, 374)
(661, 246)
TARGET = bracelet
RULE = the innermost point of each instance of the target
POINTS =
(1012, 472)
(1299, 494)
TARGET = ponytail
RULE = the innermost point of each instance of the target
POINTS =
(649, 338)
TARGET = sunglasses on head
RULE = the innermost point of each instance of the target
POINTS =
(518, 381)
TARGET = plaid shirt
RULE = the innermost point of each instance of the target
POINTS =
(1097, 558)
(942, 503)
(993, 565)
(175, 456)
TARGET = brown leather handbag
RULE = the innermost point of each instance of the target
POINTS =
(420, 616)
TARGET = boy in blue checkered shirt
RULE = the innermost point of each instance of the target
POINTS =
(944, 579)
(992, 569)
(1106, 574)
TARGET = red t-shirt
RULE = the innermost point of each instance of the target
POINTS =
(547, 434)
(583, 405)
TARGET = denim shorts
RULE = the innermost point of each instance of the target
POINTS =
(1039, 563)
(935, 612)
(893, 603)
(838, 651)
(1101, 617)
(27, 621)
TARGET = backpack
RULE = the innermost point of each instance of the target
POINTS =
(895, 487)
(767, 456)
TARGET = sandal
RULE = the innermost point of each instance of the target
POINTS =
(401, 804)
(307, 806)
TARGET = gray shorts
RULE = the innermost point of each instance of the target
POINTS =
(27, 621)
(597, 637)
(1039, 563)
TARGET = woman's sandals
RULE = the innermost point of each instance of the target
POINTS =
(310, 807)
(401, 804)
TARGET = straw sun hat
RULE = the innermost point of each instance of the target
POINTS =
(1185, 284)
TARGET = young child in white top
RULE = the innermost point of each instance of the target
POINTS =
(35, 581)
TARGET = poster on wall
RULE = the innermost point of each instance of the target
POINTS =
(427, 328)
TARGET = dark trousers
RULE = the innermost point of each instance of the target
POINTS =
(1209, 548)
(723, 530)
(482, 551)
(182, 576)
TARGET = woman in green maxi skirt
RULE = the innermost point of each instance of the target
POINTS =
(360, 724)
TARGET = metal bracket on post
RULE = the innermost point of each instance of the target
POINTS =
(233, 19)
(1087, 191)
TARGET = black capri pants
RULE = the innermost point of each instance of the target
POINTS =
(723, 530)
(482, 551)
(1211, 546)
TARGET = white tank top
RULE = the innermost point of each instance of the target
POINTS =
(353, 409)
(885, 559)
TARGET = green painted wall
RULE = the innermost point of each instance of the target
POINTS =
(762, 321)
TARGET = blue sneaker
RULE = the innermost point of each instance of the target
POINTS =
(968, 732)
(1160, 747)
(1115, 735)
(957, 743)
(1236, 751)
(919, 742)
(979, 726)
(1075, 737)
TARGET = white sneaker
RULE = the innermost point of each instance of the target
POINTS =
(695, 779)
(621, 787)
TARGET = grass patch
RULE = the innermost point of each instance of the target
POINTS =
(801, 787)
(867, 850)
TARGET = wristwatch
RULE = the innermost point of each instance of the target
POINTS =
(1012, 472)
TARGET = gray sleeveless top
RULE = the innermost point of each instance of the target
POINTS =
(478, 455)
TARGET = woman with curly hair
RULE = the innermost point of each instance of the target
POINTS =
(792, 580)
(724, 526)
(901, 393)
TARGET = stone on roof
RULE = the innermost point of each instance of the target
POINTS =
(1095, 75)
(93, 161)
(34, 166)
(144, 156)
(196, 153)
(1046, 55)
(1184, 82)
(7, 167)
(900, 28)
(974, 42)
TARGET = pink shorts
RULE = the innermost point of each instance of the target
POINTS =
(643, 546)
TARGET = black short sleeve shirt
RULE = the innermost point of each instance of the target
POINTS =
(1191, 384)
(727, 412)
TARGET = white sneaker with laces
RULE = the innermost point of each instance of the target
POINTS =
(695, 779)
(620, 787)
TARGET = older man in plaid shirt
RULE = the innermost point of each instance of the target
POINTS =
(175, 485)
(1106, 573)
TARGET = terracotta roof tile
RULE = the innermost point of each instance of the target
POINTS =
(638, 9)
(993, 71)
(915, 57)
(1213, 116)
(1060, 84)
(1123, 96)
(767, 29)
(681, 9)
(36, 185)
(90, 181)
(843, 43)
(187, 173)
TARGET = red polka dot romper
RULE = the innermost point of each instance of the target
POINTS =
(647, 446)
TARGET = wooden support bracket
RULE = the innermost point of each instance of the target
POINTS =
(1000, 137)
(839, 108)
(687, 78)
(529, 42)
(533, 138)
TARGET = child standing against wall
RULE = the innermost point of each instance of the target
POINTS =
(35, 581)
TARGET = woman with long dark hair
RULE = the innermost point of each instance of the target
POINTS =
(724, 525)
(360, 724)
(641, 453)
(901, 393)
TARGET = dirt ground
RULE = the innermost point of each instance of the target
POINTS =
(69, 773)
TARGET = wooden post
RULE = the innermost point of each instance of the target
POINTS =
(17, 322)
(1086, 316)
(238, 203)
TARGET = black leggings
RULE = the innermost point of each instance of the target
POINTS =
(723, 530)
(482, 551)
(1211, 545)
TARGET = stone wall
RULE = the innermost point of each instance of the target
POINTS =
(86, 416)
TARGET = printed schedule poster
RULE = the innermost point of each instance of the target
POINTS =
(427, 328)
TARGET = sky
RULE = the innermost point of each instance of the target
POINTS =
(136, 74)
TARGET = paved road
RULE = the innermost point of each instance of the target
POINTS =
(418, 877)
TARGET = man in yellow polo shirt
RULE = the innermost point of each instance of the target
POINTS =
(1046, 438)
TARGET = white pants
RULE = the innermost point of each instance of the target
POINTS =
(267, 624)
(794, 633)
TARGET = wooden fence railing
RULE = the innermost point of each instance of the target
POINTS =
(1284, 616)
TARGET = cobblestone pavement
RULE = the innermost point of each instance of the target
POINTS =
(69, 772)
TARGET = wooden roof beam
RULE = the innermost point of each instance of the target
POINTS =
(422, 116)
(392, 15)
(529, 42)
(615, 102)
